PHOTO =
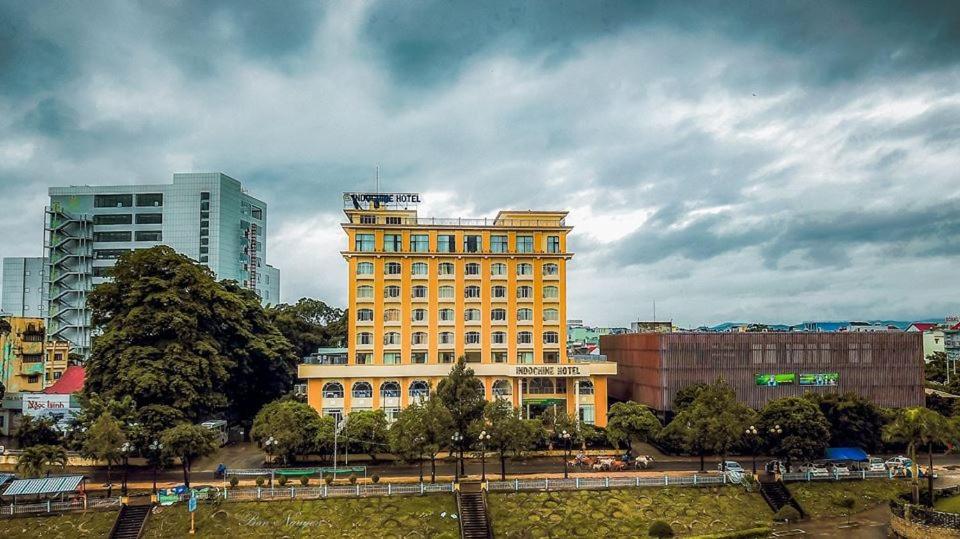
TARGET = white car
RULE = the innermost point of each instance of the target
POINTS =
(897, 463)
(875, 464)
(839, 470)
(730, 466)
(815, 470)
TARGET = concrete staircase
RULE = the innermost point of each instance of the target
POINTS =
(130, 522)
(474, 523)
(776, 494)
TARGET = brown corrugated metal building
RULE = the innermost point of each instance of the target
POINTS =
(885, 367)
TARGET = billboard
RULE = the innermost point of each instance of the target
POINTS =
(775, 379)
(43, 405)
(819, 379)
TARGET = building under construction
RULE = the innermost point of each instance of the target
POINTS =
(884, 367)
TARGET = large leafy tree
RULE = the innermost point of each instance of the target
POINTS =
(508, 433)
(366, 431)
(294, 426)
(103, 441)
(406, 435)
(917, 427)
(188, 442)
(686, 395)
(461, 392)
(424, 428)
(718, 420)
(37, 431)
(935, 369)
(854, 421)
(630, 421)
(40, 460)
(804, 431)
(173, 336)
(309, 324)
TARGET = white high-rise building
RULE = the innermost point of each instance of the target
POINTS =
(206, 216)
(23, 287)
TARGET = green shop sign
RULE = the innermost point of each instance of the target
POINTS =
(776, 379)
(819, 379)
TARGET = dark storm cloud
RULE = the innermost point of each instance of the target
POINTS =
(29, 63)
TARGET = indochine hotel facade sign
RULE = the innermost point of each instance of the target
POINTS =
(426, 291)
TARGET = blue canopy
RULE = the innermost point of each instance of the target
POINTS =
(846, 453)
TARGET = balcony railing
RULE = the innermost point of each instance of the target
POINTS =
(460, 221)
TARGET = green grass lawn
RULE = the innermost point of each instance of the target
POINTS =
(90, 524)
(950, 504)
(406, 516)
(819, 499)
(626, 513)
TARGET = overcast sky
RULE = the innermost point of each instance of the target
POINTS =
(768, 161)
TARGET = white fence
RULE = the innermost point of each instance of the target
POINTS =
(861, 474)
(599, 483)
(51, 506)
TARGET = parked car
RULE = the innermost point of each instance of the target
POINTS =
(775, 466)
(897, 463)
(875, 464)
(839, 470)
(730, 466)
(815, 470)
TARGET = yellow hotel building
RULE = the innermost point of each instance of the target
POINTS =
(425, 291)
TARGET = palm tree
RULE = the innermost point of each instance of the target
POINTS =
(920, 426)
(40, 460)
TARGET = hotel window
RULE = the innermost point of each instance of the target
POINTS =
(363, 242)
(524, 269)
(392, 243)
(419, 389)
(392, 268)
(471, 292)
(446, 243)
(365, 292)
(446, 292)
(446, 315)
(419, 337)
(364, 358)
(525, 315)
(446, 337)
(365, 315)
(524, 292)
(524, 337)
(419, 268)
(551, 337)
(498, 315)
(446, 357)
(551, 315)
(391, 358)
(364, 338)
(498, 269)
(524, 244)
(419, 291)
(472, 244)
(365, 268)
(553, 244)
(498, 337)
(472, 268)
(394, 220)
(391, 337)
(551, 357)
(471, 315)
(499, 357)
(362, 390)
(499, 292)
(550, 269)
(502, 388)
(585, 387)
(498, 244)
(150, 199)
(368, 219)
(525, 357)
(333, 390)
(390, 390)
(419, 243)
(391, 291)
(391, 315)
(551, 292)
(446, 268)
(472, 337)
(419, 315)
(418, 357)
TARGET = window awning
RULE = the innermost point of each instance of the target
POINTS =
(46, 485)
(846, 453)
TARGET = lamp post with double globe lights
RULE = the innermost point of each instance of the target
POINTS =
(155, 448)
(565, 436)
(776, 432)
(751, 433)
(126, 450)
(456, 439)
(484, 438)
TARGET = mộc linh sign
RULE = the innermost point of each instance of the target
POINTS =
(805, 379)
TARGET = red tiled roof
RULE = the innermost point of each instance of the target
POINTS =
(923, 326)
(956, 326)
(70, 382)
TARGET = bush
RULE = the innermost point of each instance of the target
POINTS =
(259, 481)
(659, 528)
(375, 478)
(353, 479)
(750, 533)
(282, 480)
(846, 502)
(788, 513)
(328, 479)
(304, 480)
(234, 481)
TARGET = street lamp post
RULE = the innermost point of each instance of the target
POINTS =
(126, 449)
(456, 439)
(565, 436)
(751, 433)
(775, 432)
(419, 441)
(155, 448)
(271, 444)
(484, 438)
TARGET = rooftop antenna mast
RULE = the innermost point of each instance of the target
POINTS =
(378, 179)
(654, 310)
